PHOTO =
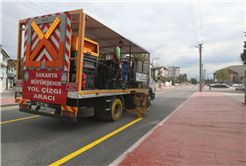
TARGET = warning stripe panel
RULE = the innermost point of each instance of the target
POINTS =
(69, 108)
(54, 40)
(20, 101)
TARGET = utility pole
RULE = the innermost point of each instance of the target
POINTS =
(200, 64)
(207, 79)
(204, 76)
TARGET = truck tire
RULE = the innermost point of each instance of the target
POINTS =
(116, 110)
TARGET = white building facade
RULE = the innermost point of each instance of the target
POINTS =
(3, 69)
(162, 71)
(11, 73)
(173, 71)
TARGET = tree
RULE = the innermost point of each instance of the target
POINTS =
(185, 77)
(243, 55)
(223, 74)
(141, 57)
(171, 79)
(209, 81)
(193, 81)
(182, 78)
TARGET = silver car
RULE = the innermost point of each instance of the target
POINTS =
(240, 87)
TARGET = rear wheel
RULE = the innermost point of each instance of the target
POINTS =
(116, 110)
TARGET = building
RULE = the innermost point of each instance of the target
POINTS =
(240, 70)
(173, 71)
(11, 72)
(236, 74)
(177, 71)
(162, 71)
(3, 69)
(232, 79)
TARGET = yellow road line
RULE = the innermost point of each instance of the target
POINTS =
(72, 155)
(29, 117)
(2, 108)
(20, 119)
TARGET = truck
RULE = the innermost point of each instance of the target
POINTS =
(66, 66)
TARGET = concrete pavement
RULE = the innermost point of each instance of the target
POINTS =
(208, 129)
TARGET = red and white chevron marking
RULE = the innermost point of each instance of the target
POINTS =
(54, 40)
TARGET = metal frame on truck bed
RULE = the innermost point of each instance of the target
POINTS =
(62, 69)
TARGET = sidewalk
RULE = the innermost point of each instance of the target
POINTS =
(9, 101)
(8, 97)
(208, 129)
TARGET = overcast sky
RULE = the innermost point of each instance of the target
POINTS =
(168, 30)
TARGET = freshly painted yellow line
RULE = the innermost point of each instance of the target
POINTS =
(72, 155)
(2, 108)
(29, 117)
(20, 119)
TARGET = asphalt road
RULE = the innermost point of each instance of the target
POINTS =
(44, 141)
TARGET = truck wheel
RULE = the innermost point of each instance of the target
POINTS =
(116, 110)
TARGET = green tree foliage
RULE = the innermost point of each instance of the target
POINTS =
(243, 55)
(193, 81)
(172, 79)
(182, 78)
(141, 57)
(223, 74)
(209, 81)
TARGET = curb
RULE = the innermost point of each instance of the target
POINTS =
(136, 144)
(9, 105)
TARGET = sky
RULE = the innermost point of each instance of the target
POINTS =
(169, 30)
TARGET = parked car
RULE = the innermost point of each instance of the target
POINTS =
(177, 84)
(240, 87)
(219, 85)
(234, 85)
